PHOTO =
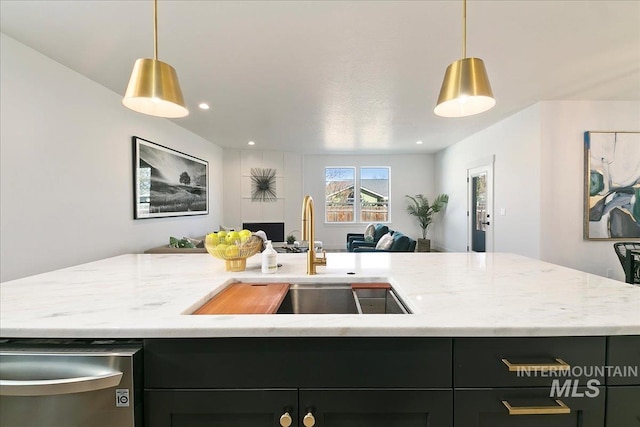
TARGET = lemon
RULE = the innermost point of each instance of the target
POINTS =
(212, 239)
(221, 249)
(231, 237)
(232, 251)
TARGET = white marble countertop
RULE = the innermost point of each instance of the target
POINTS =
(450, 294)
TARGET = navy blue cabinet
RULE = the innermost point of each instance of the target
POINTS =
(332, 382)
(399, 382)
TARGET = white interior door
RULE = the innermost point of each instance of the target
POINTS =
(480, 208)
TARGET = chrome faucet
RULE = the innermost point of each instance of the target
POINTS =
(308, 234)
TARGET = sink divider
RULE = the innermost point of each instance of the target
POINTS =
(357, 300)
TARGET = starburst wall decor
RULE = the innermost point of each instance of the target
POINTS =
(263, 185)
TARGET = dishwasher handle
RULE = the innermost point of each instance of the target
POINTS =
(104, 378)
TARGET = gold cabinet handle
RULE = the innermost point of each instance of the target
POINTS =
(560, 365)
(538, 410)
(285, 420)
(309, 420)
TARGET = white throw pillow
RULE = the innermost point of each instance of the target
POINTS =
(369, 230)
(385, 241)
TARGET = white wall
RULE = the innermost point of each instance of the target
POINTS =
(304, 174)
(538, 179)
(410, 174)
(515, 143)
(239, 207)
(66, 168)
(562, 182)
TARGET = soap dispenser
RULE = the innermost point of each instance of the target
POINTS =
(269, 259)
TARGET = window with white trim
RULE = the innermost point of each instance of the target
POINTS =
(371, 186)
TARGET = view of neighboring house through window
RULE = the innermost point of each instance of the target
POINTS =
(341, 187)
(338, 191)
(374, 194)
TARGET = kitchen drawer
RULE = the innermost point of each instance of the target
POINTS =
(485, 408)
(623, 352)
(478, 362)
(298, 362)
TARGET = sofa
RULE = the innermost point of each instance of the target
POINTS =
(199, 246)
(355, 240)
(400, 243)
(166, 249)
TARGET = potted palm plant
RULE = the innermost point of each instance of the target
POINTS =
(423, 211)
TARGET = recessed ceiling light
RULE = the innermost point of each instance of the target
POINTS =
(418, 142)
(203, 106)
(252, 143)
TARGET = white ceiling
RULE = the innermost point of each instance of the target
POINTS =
(342, 76)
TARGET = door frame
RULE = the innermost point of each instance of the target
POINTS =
(485, 165)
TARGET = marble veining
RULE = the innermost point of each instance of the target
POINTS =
(450, 294)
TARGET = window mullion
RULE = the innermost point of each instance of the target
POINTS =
(356, 196)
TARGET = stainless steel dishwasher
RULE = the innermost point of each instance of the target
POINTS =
(71, 384)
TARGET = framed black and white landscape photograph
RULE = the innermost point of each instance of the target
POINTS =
(167, 182)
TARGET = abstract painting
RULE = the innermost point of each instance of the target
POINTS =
(612, 185)
(167, 182)
(263, 185)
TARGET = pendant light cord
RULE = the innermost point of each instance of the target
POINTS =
(155, 30)
(464, 29)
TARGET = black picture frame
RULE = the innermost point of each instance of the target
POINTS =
(167, 182)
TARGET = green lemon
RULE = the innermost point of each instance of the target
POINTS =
(232, 251)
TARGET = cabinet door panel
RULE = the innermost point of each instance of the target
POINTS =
(218, 408)
(623, 406)
(484, 408)
(221, 420)
(623, 352)
(377, 407)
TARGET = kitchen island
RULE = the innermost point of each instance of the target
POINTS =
(450, 294)
(478, 322)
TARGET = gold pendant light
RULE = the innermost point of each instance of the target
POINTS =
(465, 90)
(153, 88)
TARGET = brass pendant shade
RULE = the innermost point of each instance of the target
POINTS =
(465, 90)
(153, 87)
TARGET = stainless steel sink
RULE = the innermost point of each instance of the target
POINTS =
(339, 298)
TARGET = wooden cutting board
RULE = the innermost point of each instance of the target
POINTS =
(246, 298)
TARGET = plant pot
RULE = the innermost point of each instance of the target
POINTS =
(424, 245)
